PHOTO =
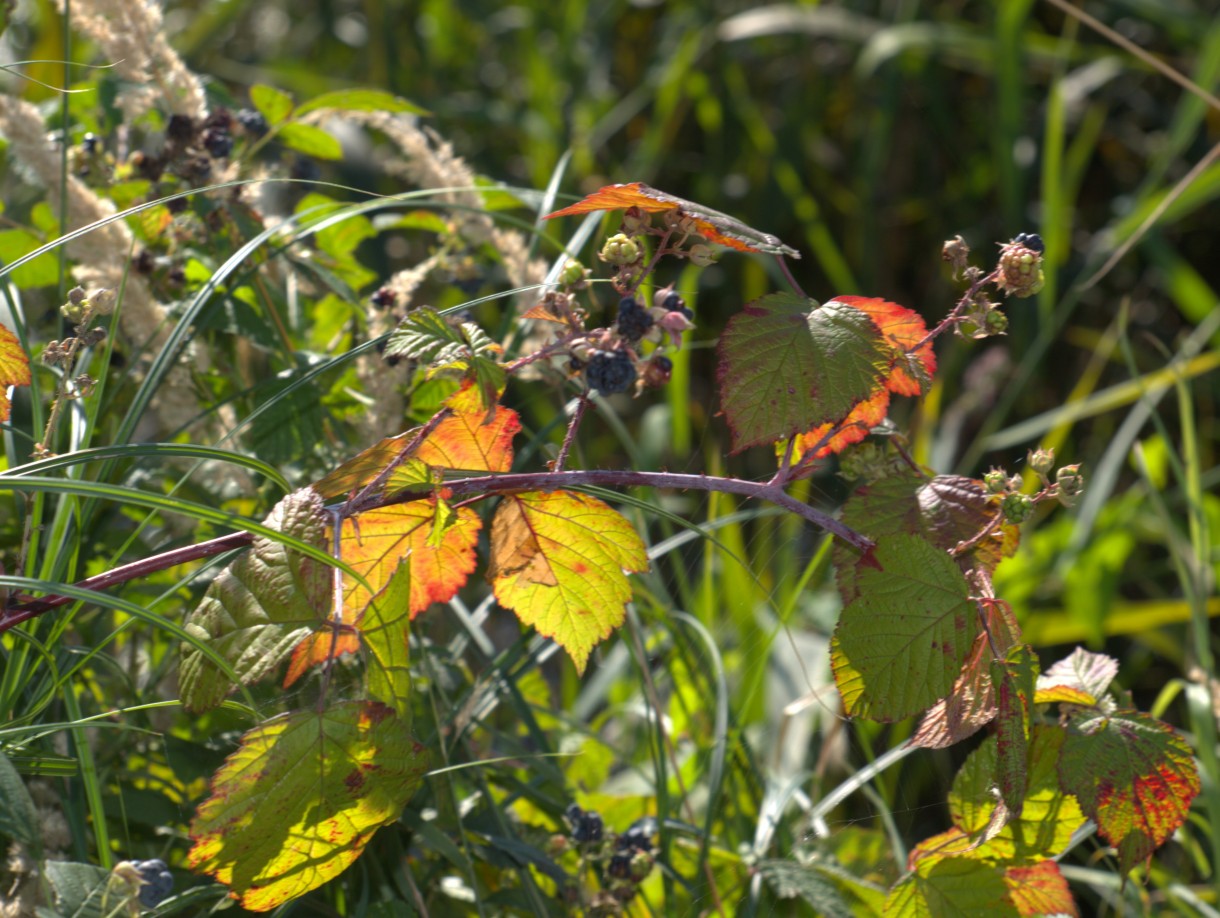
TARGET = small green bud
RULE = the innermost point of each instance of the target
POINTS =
(995, 323)
(73, 312)
(1017, 507)
(620, 250)
(996, 481)
(1042, 461)
(1071, 484)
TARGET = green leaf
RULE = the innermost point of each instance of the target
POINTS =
(274, 105)
(1042, 825)
(1013, 679)
(18, 817)
(423, 335)
(788, 365)
(260, 607)
(900, 645)
(384, 629)
(360, 100)
(42, 271)
(310, 140)
(298, 801)
(953, 887)
(1134, 776)
(80, 889)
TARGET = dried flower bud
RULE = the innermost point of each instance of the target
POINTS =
(957, 253)
(996, 481)
(1071, 484)
(101, 302)
(673, 323)
(76, 296)
(94, 336)
(702, 255)
(636, 221)
(1021, 266)
(1042, 460)
(656, 371)
(1017, 507)
(620, 250)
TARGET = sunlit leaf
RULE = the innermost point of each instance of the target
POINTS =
(902, 328)
(901, 644)
(466, 440)
(955, 886)
(271, 103)
(1040, 889)
(40, 272)
(558, 561)
(711, 224)
(1134, 776)
(301, 797)
(359, 100)
(384, 630)
(374, 543)
(310, 140)
(830, 438)
(260, 607)
(1042, 824)
(1086, 672)
(14, 368)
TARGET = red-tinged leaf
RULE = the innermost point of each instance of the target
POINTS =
(971, 703)
(14, 369)
(1063, 694)
(1040, 889)
(901, 644)
(260, 607)
(467, 440)
(947, 510)
(902, 328)
(1134, 776)
(1088, 673)
(317, 648)
(301, 797)
(828, 439)
(1013, 681)
(711, 224)
(961, 887)
(374, 542)
(558, 561)
(1044, 821)
(788, 365)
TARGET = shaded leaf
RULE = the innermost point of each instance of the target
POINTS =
(80, 889)
(558, 561)
(901, 644)
(301, 797)
(711, 224)
(14, 369)
(259, 607)
(374, 543)
(787, 365)
(790, 880)
(362, 468)
(1134, 776)
(1013, 681)
(18, 817)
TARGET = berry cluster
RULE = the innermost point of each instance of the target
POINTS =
(634, 321)
(628, 857)
(587, 825)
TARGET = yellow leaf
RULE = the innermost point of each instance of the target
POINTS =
(558, 561)
(14, 368)
(301, 797)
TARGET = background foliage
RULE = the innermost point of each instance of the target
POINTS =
(863, 133)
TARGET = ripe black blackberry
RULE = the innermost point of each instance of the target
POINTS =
(610, 371)
(1031, 241)
(218, 142)
(252, 122)
(158, 882)
(639, 835)
(384, 298)
(587, 826)
(634, 320)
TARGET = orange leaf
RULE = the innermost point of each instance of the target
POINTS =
(852, 429)
(375, 541)
(319, 647)
(463, 441)
(558, 561)
(14, 368)
(1039, 889)
(711, 224)
(903, 328)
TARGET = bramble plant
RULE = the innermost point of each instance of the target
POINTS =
(228, 324)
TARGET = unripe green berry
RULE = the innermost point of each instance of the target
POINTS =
(996, 481)
(702, 255)
(620, 249)
(572, 273)
(1020, 269)
(73, 312)
(1017, 507)
(995, 322)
